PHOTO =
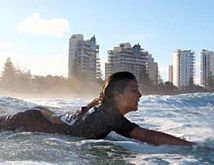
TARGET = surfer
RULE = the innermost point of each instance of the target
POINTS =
(120, 95)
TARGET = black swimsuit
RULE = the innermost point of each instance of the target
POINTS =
(95, 124)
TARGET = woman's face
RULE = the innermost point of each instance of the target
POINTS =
(128, 100)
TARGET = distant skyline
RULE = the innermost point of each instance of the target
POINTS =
(35, 33)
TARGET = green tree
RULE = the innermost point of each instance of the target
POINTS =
(23, 80)
(8, 75)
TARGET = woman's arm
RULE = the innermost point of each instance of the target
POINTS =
(157, 138)
(50, 116)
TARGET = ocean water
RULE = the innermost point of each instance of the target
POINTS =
(189, 116)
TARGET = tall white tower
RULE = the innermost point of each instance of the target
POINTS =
(183, 68)
(82, 60)
(170, 74)
(206, 67)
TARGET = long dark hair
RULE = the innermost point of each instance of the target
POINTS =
(114, 84)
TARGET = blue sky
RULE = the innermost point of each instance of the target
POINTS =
(35, 33)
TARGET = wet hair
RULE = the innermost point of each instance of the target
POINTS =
(114, 84)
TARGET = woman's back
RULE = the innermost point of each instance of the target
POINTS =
(99, 122)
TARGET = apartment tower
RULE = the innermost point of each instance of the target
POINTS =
(183, 68)
(170, 73)
(133, 59)
(83, 57)
(206, 67)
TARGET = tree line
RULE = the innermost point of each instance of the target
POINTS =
(167, 88)
(14, 80)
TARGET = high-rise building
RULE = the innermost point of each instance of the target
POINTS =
(152, 69)
(183, 68)
(206, 67)
(83, 57)
(133, 59)
(170, 73)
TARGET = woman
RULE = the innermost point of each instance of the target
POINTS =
(119, 96)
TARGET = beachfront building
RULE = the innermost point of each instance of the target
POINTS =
(183, 68)
(152, 69)
(133, 59)
(206, 67)
(83, 60)
(170, 73)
